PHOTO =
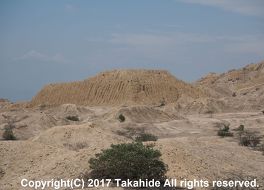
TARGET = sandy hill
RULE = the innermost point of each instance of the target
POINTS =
(51, 146)
(241, 89)
(235, 81)
(118, 87)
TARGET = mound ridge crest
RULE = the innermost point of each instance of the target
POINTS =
(118, 87)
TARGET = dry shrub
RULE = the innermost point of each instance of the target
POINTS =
(249, 139)
(146, 137)
(2, 173)
(8, 132)
(130, 132)
(73, 118)
(262, 149)
(224, 131)
(121, 118)
(241, 128)
(75, 146)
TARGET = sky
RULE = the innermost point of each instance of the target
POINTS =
(47, 41)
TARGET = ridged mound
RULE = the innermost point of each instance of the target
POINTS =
(146, 114)
(118, 87)
(238, 90)
(238, 81)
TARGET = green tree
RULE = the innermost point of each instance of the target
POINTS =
(132, 161)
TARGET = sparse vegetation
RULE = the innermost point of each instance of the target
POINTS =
(224, 131)
(244, 141)
(127, 132)
(75, 146)
(146, 137)
(249, 139)
(130, 132)
(262, 149)
(210, 112)
(2, 173)
(262, 111)
(137, 134)
(8, 134)
(73, 118)
(162, 103)
(121, 118)
(132, 161)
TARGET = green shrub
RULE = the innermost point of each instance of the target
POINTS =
(226, 128)
(224, 132)
(146, 137)
(121, 118)
(132, 161)
(8, 134)
(72, 118)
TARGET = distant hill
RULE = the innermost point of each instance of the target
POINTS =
(234, 81)
(119, 87)
(241, 89)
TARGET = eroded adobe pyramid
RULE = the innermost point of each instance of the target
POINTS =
(118, 87)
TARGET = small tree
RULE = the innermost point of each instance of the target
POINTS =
(132, 161)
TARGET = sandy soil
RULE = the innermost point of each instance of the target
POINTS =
(189, 143)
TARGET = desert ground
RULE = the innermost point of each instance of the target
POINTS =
(185, 117)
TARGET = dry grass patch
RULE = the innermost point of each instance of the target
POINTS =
(75, 146)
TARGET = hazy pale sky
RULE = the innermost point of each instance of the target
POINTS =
(48, 41)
